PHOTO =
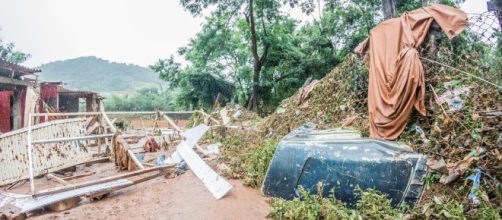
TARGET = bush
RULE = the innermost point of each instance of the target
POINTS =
(256, 165)
(371, 205)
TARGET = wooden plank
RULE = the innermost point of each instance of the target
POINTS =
(130, 153)
(109, 123)
(208, 116)
(78, 176)
(57, 179)
(149, 164)
(103, 180)
(171, 122)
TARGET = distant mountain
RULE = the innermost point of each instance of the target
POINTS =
(99, 75)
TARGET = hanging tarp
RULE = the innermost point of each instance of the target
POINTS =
(396, 76)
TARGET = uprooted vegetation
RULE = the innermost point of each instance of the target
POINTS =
(371, 205)
(448, 132)
(247, 154)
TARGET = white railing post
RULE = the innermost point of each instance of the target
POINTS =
(30, 156)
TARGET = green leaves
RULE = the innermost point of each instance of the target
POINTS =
(202, 89)
(256, 165)
(371, 205)
(147, 99)
(7, 52)
(290, 51)
(168, 70)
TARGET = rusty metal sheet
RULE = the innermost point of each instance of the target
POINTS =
(46, 157)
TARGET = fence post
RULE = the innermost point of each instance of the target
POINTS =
(30, 156)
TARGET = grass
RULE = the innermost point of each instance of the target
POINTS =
(256, 165)
(371, 205)
(247, 153)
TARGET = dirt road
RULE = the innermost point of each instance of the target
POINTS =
(183, 197)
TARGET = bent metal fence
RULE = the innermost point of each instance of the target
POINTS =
(51, 146)
(46, 157)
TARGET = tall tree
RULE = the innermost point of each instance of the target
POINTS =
(389, 9)
(497, 6)
(265, 53)
(267, 11)
(253, 101)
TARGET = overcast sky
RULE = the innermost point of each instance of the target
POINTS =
(128, 31)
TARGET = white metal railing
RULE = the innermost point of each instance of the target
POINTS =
(109, 124)
(31, 142)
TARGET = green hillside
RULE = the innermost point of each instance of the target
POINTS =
(95, 74)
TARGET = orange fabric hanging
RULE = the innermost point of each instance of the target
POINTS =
(396, 75)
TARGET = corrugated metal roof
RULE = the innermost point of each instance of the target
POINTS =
(8, 68)
(83, 92)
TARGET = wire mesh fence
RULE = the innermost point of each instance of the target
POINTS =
(474, 54)
(485, 26)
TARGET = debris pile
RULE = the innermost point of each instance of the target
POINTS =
(462, 126)
(230, 116)
(64, 150)
(338, 100)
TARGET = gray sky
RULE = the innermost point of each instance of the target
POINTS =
(127, 31)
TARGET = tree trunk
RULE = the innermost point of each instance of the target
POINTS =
(497, 5)
(429, 2)
(499, 17)
(253, 100)
(389, 9)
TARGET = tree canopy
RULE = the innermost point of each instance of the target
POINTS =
(265, 54)
(9, 53)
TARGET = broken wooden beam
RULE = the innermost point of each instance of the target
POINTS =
(208, 116)
(171, 122)
(78, 176)
(103, 180)
(135, 159)
(109, 123)
(57, 179)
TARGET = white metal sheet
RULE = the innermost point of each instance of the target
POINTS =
(216, 184)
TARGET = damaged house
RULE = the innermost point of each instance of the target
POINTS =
(78, 101)
(55, 98)
(17, 95)
(20, 94)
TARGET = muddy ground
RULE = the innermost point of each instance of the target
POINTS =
(181, 197)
